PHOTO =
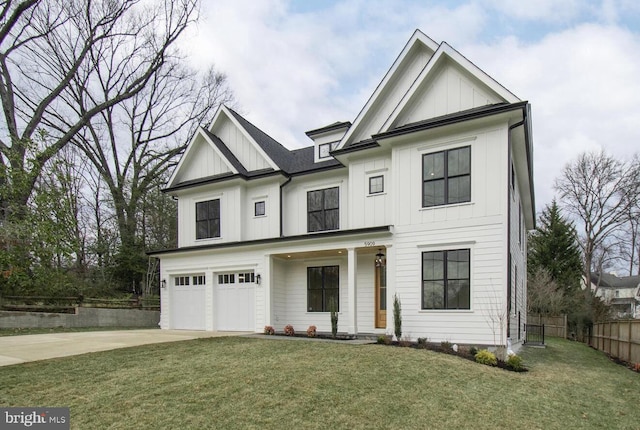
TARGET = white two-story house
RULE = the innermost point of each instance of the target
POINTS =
(426, 195)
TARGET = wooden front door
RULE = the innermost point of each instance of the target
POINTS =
(381, 296)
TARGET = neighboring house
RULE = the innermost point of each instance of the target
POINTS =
(621, 293)
(427, 195)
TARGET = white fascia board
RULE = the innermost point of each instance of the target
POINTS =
(258, 148)
(417, 37)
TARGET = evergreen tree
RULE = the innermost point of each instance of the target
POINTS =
(553, 246)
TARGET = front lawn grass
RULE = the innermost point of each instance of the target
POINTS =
(244, 383)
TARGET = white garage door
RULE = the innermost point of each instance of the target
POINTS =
(187, 302)
(235, 297)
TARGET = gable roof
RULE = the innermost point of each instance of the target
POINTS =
(418, 38)
(280, 155)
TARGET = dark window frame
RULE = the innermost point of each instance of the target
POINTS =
(381, 177)
(211, 227)
(445, 280)
(331, 145)
(261, 204)
(325, 303)
(324, 213)
(446, 178)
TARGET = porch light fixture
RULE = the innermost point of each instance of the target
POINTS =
(258, 279)
(381, 259)
(164, 284)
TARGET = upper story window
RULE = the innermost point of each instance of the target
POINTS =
(259, 208)
(323, 209)
(208, 219)
(325, 148)
(446, 279)
(376, 184)
(446, 177)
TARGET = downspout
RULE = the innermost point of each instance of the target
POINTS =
(509, 191)
(281, 205)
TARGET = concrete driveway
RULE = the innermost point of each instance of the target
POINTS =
(34, 347)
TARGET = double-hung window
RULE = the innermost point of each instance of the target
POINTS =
(446, 177)
(446, 282)
(323, 209)
(208, 219)
(323, 288)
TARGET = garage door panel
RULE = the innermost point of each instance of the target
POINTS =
(188, 310)
(235, 306)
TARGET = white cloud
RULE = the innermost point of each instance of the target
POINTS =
(583, 86)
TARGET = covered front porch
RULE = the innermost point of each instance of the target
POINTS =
(304, 284)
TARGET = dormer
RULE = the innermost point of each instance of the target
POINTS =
(326, 139)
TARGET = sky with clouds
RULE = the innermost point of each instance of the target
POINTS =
(298, 65)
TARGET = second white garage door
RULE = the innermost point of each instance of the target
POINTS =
(235, 297)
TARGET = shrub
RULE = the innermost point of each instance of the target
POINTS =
(486, 357)
(446, 345)
(334, 317)
(288, 330)
(514, 362)
(397, 317)
(473, 351)
(311, 331)
(422, 341)
(404, 341)
(269, 330)
(384, 339)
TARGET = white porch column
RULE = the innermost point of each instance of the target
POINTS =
(266, 282)
(391, 284)
(352, 305)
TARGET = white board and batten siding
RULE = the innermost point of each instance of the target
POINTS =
(370, 210)
(202, 161)
(517, 247)
(261, 226)
(450, 89)
(295, 199)
(479, 226)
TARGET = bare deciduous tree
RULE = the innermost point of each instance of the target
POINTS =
(54, 54)
(598, 190)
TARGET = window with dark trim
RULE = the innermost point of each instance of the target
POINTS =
(259, 208)
(515, 289)
(323, 209)
(208, 219)
(199, 280)
(227, 278)
(325, 149)
(376, 184)
(446, 281)
(446, 177)
(181, 281)
(323, 287)
(246, 278)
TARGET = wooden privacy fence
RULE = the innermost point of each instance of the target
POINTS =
(554, 326)
(620, 339)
